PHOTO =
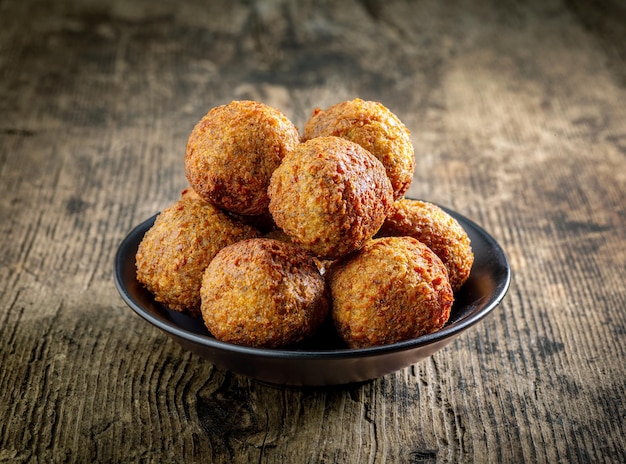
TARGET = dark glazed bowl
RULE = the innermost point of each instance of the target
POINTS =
(322, 360)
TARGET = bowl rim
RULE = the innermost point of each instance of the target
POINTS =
(448, 331)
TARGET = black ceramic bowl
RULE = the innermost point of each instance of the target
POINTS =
(322, 360)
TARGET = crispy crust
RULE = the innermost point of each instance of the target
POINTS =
(375, 128)
(431, 225)
(393, 289)
(263, 293)
(174, 253)
(232, 152)
(330, 196)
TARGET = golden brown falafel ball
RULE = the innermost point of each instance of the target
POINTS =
(232, 152)
(175, 251)
(375, 128)
(330, 196)
(393, 289)
(263, 293)
(438, 230)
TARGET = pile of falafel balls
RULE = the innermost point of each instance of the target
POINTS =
(277, 231)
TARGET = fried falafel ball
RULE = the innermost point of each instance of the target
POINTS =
(375, 128)
(263, 293)
(175, 251)
(438, 230)
(232, 152)
(330, 196)
(393, 289)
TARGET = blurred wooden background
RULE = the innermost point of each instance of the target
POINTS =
(518, 116)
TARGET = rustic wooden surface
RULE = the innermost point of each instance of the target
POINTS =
(518, 117)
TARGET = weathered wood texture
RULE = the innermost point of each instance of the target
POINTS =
(518, 117)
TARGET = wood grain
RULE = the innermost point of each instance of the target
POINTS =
(518, 120)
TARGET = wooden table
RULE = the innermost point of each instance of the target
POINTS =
(518, 117)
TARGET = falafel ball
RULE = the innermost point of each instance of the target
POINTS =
(375, 128)
(438, 230)
(232, 152)
(263, 293)
(330, 196)
(175, 251)
(393, 289)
